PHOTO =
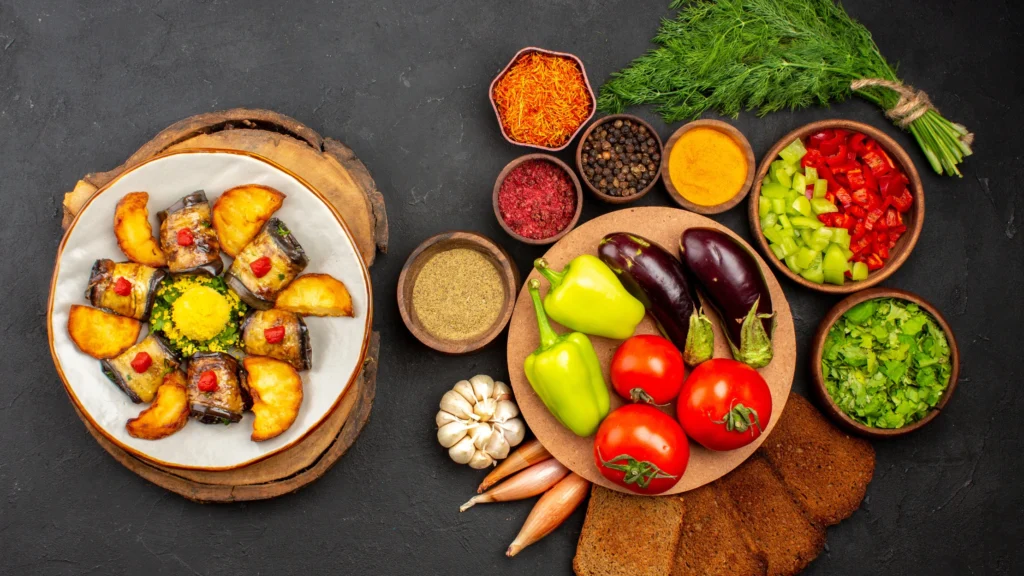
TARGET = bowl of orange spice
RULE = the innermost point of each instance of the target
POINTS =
(542, 99)
(708, 166)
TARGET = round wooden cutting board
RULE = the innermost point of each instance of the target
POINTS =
(332, 168)
(663, 226)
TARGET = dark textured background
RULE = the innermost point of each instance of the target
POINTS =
(83, 84)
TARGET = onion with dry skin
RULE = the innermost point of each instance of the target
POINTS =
(550, 511)
(526, 484)
(528, 454)
(478, 422)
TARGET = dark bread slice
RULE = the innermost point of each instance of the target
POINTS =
(827, 471)
(626, 535)
(776, 523)
(714, 542)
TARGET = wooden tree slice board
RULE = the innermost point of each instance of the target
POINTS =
(333, 169)
(663, 226)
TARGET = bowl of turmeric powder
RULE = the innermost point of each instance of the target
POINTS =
(708, 166)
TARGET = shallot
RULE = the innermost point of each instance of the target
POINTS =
(528, 483)
(553, 508)
(528, 454)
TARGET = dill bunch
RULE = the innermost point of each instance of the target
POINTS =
(770, 55)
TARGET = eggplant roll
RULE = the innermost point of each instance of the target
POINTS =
(141, 386)
(142, 281)
(258, 286)
(187, 237)
(228, 400)
(292, 347)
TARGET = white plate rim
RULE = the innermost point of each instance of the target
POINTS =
(367, 328)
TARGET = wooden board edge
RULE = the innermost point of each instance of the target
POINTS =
(347, 158)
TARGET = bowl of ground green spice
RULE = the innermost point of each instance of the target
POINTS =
(884, 362)
(456, 291)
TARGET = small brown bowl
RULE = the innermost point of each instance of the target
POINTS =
(494, 253)
(575, 182)
(914, 218)
(728, 130)
(593, 189)
(818, 346)
(586, 80)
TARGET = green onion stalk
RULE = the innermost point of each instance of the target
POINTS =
(771, 55)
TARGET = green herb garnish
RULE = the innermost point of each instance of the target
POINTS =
(282, 230)
(886, 363)
(770, 55)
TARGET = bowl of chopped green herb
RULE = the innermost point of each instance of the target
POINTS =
(884, 362)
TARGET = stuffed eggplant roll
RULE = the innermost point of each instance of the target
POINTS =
(214, 392)
(187, 237)
(124, 288)
(280, 335)
(266, 265)
(140, 370)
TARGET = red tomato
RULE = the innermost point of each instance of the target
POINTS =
(141, 362)
(273, 335)
(647, 368)
(641, 448)
(724, 404)
(207, 381)
(122, 287)
(260, 266)
(185, 237)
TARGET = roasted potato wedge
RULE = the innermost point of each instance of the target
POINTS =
(240, 213)
(100, 334)
(167, 414)
(276, 390)
(133, 232)
(316, 295)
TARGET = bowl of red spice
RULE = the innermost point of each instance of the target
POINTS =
(542, 98)
(537, 199)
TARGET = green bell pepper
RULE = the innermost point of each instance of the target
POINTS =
(588, 297)
(565, 373)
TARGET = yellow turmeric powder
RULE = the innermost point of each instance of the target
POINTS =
(707, 167)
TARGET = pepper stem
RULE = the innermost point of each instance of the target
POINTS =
(547, 334)
(555, 278)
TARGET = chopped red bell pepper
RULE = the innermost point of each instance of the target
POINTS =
(874, 262)
(872, 218)
(856, 178)
(858, 142)
(812, 158)
(844, 197)
(875, 162)
(903, 201)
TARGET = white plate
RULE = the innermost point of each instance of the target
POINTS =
(339, 344)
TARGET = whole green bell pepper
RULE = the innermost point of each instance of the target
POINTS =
(565, 372)
(587, 297)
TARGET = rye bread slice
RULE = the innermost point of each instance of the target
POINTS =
(775, 522)
(626, 535)
(713, 541)
(827, 471)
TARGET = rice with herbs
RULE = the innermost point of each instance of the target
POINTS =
(197, 313)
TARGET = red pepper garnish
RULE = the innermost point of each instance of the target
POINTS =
(260, 266)
(207, 381)
(141, 362)
(273, 335)
(122, 287)
(185, 237)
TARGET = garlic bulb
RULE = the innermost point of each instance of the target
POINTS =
(478, 422)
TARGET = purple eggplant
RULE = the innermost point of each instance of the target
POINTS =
(729, 277)
(656, 278)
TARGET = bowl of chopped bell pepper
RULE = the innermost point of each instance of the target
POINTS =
(837, 206)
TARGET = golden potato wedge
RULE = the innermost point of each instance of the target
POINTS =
(100, 334)
(276, 390)
(316, 295)
(133, 232)
(240, 213)
(167, 414)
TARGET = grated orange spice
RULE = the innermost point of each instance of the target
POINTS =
(542, 99)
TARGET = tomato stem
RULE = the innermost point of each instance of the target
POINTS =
(636, 471)
(739, 418)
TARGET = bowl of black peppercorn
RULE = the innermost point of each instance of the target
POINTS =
(619, 158)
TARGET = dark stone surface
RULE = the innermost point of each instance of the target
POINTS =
(83, 84)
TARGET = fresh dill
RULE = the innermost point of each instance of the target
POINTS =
(766, 56)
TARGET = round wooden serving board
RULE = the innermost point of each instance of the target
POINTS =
(663, 226)
(334, 171)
